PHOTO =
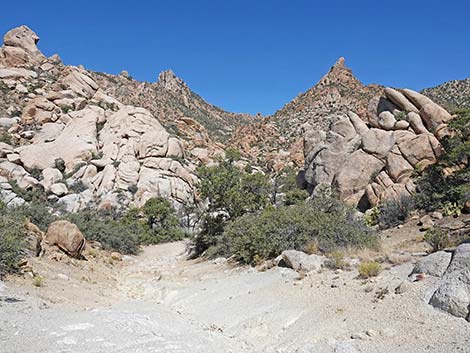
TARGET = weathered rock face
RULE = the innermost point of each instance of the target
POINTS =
(434, 264)
(372, 161)
(67, 237)
(19, 48)
(84, 147)
(453, 292)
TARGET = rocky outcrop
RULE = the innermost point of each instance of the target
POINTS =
(371, 161)
(19, 48)
(83, 147)
(67, 237)
(453, 292)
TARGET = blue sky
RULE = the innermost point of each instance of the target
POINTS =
(255, 56)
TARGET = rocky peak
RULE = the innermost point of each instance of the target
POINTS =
(22, 37)
(171, 82)
(20, 47)
(338, 73)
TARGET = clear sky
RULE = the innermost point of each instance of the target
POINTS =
(255, 55)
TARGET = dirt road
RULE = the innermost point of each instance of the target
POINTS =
(161, 302)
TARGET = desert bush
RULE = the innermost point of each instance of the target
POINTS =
(38, 281)
(107, 228)
(77, 186)
(286, 183)
(59, 164)
(5, 137)
(336, 261)
(12, 241)
(371, 217)
(231, 193)
(369, 269)
(401, 116)
(162, 222)
(265, 235)
(295, 196)
(35, 194)
(36, 212)
(395, 211)
(437, 238)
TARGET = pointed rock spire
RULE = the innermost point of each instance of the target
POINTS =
(338, 72)
(171, 82)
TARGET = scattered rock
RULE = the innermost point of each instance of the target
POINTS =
(116, 256)
(425, 223)
(59, 189)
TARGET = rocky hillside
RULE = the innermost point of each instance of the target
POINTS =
(92, 138)
(64, 134)
(172, 102)
(451, 95)
(339, 91)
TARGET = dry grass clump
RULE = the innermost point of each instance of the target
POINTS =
(369, 269)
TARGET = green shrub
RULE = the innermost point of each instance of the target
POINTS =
(286, 183)
(395, 211)
(438, 189)
(401, 116)
(451, 209)
(34, 194)
(295, 196)
(12, 242)
(38, 281)
(437, 238)
(5, 137)
(36, 212)
(231, 193)
(107, 228)
(162, 221)
(265, 235)
(36, 173)
(371, 217)
(78, 186)
(369, 269)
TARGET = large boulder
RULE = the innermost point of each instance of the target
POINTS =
(434, 264)
(432, 114)
(400, 100)
(300, 261)
(378, 142)
(67, 237)
(355, 174)
(453, 292)
(20, 48)
(422, 149)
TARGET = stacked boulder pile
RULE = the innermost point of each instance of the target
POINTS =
(371, 161)
(81, 146)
